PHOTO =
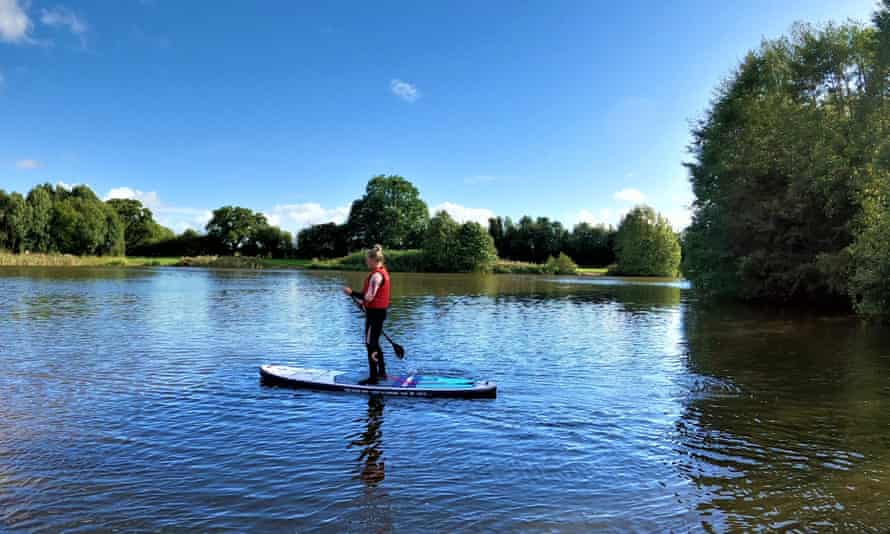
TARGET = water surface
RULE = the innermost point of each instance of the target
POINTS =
(130, 399)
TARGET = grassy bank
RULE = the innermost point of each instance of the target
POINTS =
(68, 260)
(397, 261)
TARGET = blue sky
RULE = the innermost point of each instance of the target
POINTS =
(574, 110)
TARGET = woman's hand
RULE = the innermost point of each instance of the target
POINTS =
(347, 291)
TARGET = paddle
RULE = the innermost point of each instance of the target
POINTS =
(398, 349)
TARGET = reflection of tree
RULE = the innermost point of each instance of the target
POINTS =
(371, 458)
(786, 420)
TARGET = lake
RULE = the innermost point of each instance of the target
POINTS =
(130, 400)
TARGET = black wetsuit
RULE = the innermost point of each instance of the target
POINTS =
(374, 318)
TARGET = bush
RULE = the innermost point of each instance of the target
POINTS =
(646, 245)
(449, 247)
(561, 265)
(396, 261)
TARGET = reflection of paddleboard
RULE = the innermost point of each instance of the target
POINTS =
(413, 385)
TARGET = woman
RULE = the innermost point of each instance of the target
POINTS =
(374, 298)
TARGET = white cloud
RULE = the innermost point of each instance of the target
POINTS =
(62, 17)
(27, 164)
(404, 90)
(295, 217)
(464, 214)
(14, 22)
(178, 219)
(630, 195)
(150, 200)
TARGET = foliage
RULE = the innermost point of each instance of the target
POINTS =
(327, 240)
(474, 249)
(790, 172)
(452, 247)
(646, 245)
(591, 245)
(140, 228)
(232, 227)
(440, 242)
(562, 264)
(411, 260)
(532, 240)
(390, 213)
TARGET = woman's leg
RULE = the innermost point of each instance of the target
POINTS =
(373, 329)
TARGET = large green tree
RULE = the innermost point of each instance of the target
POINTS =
(140, 227)
(322, 241)
(591, 245)
(785, 163)
(440, 242)
(452, 247)
(646, 245)
(232, 227)
(40, 236)
(390, 213)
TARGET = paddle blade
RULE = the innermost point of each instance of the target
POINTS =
(399, 350)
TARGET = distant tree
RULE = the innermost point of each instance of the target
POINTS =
(591, 245)
(646, 245)
(140, 228)
(232, 227)
(440, 243)
(15, 220)
(497, 233)
(452, 247)
(474, 250)
(40, 236)
(322, 241)
(271, 242)
(390, 213)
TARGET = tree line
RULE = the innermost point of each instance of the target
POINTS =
(58, 220)
(791, 172)
(75, 221)
(392, 213)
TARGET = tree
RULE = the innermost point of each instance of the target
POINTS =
(440, 243)
(781, 163)
(474, 249)
(591, 245)
(270, 241)
(646, 245)
(232, 227)
(40, 236)
(452, 247)
(140, 227)
(390, 213)
(322, 241)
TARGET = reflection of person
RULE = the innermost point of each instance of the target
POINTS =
(375, 299)
(372, 472)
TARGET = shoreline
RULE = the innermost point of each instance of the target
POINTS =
(253, 263)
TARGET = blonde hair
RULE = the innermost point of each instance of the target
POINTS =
(376, 253)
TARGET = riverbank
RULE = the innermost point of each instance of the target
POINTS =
(68, 260)
(398, 261)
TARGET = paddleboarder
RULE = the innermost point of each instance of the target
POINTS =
(374, 298)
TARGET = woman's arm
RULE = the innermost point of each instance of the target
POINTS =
(373, 286)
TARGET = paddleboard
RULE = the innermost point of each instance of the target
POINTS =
(412, 385)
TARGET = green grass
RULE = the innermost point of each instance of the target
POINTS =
(68, 260)
(287, 263)
(593, 271)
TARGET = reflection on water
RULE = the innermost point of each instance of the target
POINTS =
(800, 440)
(372, 469)
(129, 400)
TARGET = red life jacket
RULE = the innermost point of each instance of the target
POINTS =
(381, 298)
